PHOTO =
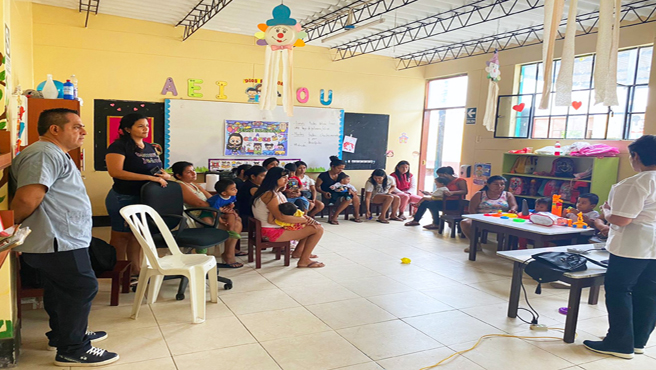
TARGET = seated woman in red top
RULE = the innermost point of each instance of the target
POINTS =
(406, 186)
(457, 190)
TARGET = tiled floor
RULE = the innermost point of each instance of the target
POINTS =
(363, 311)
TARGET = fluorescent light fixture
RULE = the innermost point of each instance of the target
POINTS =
(366, 25)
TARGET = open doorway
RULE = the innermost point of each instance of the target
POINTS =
(444, 119)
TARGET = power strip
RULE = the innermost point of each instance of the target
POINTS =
(539, 327)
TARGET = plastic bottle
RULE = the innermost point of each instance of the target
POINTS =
(69, 90)
(50, 89)
(74, 82)
(557, 152)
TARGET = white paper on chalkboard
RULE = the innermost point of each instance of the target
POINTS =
(195, 130)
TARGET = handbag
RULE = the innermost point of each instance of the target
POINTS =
(550, 266)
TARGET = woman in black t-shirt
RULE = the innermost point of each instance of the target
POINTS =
(131, 162)
(323, 183)
(254, 177)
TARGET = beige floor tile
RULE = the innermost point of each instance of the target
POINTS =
(352, 312)
(374, 285)
(575, 352)
(285, 323)
(136, 345)
(511, 353)
(342, 273)
(321, 351)
(310, 294)
(548, 306)
(212, 334)
(370, 255)
(263, 300)
(171, 311)
(497, 316)
(248, 282)
(428, 358)
(34, 326)
(165, 363)
(462, 296)
(332, 258)
(451, 327)
(408, 304)
(365, 366)
(245, 357)
(110, 318)
(293, 276)
(36, 358)
(613, 363)
(400, 339)
(422, 279)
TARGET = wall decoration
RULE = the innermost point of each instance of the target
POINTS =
(169, 87)
(227, 164)
(330, 97)
(403, 139)
(576, 105)
(565, 79)
(415, 154)
(482, 172)
(222, 85)
(302, 91)
(348, 145)
(494, 76)
(605, 69)
(252, 94)
(389, 154)
(280, 34)
(192, 87)
(553, 13)
(519, 107)
(107, 116)
(260, 138)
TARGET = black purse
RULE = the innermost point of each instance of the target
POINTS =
(550, 266)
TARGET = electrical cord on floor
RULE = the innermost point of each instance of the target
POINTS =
(532, 311)
(488, 336)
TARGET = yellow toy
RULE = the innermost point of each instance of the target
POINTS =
(405, 260)
(579, 224)
(557, 205)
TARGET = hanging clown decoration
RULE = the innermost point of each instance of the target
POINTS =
(280, 34)
(494, 75)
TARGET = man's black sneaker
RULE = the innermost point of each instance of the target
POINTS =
(94, 336)
(93, 357)
(600, 347)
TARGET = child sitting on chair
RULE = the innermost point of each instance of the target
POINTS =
(541, 205)
(438, 194)
(224, 201)
(343, 188)
(288, 209)
(586, 204)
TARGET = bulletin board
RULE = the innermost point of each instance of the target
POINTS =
(107, 115)
(196, 131)
(371, 131)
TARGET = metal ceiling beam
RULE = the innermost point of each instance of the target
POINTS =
(363, 10)
(477, 12)
(202, 13)
(88, 6)
(643, 10)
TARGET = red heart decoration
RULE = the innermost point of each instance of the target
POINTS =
(111, 105)
(136, 109)
(576, 105)
(519, 107)
(143, 105)
(118, 109)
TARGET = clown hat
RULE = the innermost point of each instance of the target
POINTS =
(281, 17)
(494, 59)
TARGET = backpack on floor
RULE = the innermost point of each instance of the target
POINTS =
(102, 255)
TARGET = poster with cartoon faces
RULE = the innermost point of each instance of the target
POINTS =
(256, 138)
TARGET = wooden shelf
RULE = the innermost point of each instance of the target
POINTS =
(5, 160)
(537, 197)
(544, 177)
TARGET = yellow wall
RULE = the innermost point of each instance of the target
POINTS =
(126, 59)
(479, 145)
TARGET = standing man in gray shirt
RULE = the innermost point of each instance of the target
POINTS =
(51, 199)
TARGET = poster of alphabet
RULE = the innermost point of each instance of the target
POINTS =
(256, 138)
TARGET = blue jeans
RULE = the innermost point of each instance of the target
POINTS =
(114, 202)
(301, 202)
(630, 285)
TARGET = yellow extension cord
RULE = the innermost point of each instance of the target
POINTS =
(489, 336)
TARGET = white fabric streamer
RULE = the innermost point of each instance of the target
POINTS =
(608, 37)
(553, 13)
(491, 105)
(565, 82)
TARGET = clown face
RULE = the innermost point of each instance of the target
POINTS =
(280, 35)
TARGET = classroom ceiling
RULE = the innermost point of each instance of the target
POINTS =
(407, 29)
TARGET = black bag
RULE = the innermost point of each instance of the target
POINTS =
(102, 255)
(550, 266)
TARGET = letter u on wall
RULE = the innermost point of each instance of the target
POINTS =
(330, 97)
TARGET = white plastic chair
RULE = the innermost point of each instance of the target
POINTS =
(193, 266)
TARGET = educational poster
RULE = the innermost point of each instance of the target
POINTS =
(349, 144)
(227, 164)
(256, 138)
(482, 173)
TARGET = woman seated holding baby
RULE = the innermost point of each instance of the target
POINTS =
(266, 209)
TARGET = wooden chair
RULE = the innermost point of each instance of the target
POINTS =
(256, 243)
(331, 208)
(120, 276)
(453, 216)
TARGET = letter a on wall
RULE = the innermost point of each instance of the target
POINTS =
(169, 86)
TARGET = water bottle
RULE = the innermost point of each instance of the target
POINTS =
(557, 152)
(50, 89)
(74, 82)
(69, 90)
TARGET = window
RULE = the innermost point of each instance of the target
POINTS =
(518, 116)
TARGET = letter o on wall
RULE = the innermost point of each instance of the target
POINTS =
(302, 91)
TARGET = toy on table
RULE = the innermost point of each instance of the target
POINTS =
(557, 205)
(405, 260)
(500, 214)
(579, 224)
(544, 219)
(519, 220)
(525, 214)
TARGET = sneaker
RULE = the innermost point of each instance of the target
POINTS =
(639, 351)
(599, 347)
(93, 357)
(94, 336)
